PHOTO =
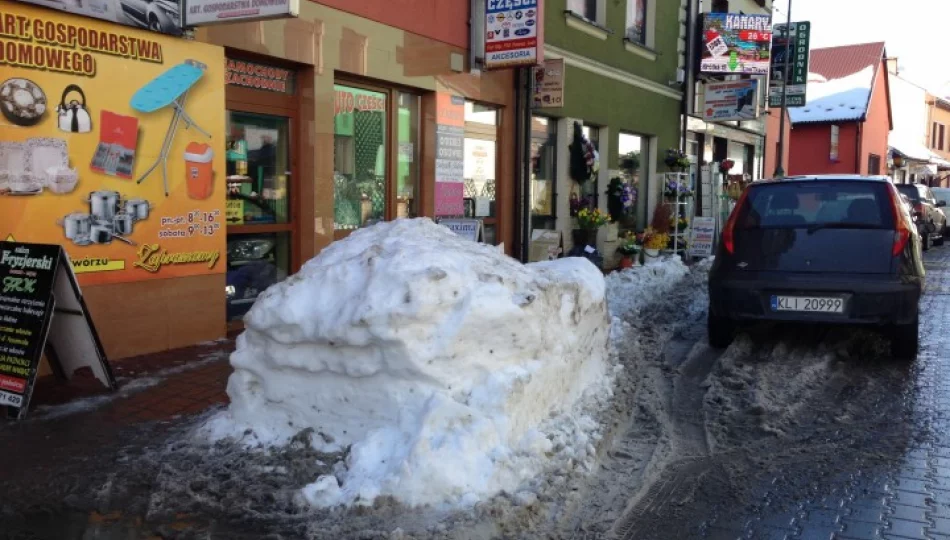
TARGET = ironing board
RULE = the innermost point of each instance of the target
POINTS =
(169, 88)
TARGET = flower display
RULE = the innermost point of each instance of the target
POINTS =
(676, 159)
(579, 203)
(680, 224)
(650, 239)
(726, 165)
(591, 219)
(629, 244)
(677, 189)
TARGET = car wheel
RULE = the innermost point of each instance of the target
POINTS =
(905, 341)
(154, 24)
(939, 241)
(721, 331)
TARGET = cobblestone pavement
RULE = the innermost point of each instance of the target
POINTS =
(884, 478)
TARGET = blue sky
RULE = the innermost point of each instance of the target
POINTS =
(914, 31)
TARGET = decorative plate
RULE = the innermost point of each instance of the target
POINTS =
(22, 102)
(12, 156)
(45, 152)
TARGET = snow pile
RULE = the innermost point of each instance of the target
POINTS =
(444, 370)
(836, 99)
(633, 288)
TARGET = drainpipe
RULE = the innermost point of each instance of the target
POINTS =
(523, 112)
(858, 149)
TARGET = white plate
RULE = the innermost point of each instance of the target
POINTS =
(808, 304)
(45, 152)
(12, 156)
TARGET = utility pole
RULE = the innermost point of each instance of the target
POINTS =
(789, 48)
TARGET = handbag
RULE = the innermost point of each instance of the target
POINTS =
(73, 116)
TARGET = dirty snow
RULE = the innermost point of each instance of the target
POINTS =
(836, 99)
(634, 288)
(443, 371)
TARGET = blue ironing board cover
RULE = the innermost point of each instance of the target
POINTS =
(166, 88)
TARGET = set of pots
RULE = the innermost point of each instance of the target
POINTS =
(110, 217)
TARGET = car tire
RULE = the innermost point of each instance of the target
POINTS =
(939, 241)
(925, 241)
(905, 341)
(721, 331)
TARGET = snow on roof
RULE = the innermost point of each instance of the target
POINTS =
(816, 77)
(844, 99)
(910, 149)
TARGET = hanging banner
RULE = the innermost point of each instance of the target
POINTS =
(156, 15)
(735, 43)
(731, 100)
(549, 84)
(116, 156)
(790, 50)
(511, 33)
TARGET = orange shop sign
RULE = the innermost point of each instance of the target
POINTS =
(259, 76)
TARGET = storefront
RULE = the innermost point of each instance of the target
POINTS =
(112, 144)
(336, 122)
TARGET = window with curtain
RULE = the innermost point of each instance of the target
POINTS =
(636, 31)
(584, 8)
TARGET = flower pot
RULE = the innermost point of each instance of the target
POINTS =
(627, 261)
(651, 253)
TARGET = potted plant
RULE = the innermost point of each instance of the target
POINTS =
(630, 162)
(629, 250)
(676, 160)
(676, 189)
(653, 241)
(588, 222)
(679, 225)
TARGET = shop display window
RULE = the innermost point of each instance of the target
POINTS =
(258, 171)
(359, 157)
(255, 262)
(407, 169)
(543, 170)
(480, 162)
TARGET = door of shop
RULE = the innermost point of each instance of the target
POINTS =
(263, 193)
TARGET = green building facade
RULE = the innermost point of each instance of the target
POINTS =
(622, 62)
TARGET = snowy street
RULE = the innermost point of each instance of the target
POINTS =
(789, 433)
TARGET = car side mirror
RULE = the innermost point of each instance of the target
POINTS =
(941, 204)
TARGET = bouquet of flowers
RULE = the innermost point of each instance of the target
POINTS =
(629, 244)
(679, 225)
(676, 159)
(592, 219)
(620, 198)
(650, 239)
(579, 203)
(726, 165)
(677, 189)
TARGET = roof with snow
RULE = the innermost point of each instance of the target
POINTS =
(840, 82)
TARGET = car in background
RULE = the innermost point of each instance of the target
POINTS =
(819, 249)
(156, 15)
(942, 194)
(931, 221)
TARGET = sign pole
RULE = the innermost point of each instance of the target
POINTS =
(779, 169)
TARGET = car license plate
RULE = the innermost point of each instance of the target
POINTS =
(816, 304)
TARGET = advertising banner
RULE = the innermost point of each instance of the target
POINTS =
(791, 50)
(156, 15)
(734, 43)
(450, 156)
(732, 100)
(549, 84)
(111, 145)
(511, 33)
(205, 12)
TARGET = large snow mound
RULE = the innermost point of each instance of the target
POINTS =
(436, 361)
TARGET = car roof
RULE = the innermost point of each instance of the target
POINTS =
(817, 177)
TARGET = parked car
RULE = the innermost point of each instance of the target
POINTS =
(156, 15)
(942, 194)
(931, 221)
(819, 249)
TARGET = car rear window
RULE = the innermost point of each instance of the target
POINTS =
(817, 203)
(910, 190)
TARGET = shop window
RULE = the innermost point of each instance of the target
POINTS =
(632, 164)
(359, 157)
(407, 169)
(255, 262)
(589, 191)
(636, 31)
(584, 8)
(543, 171)
(258, 167)
(480, 162)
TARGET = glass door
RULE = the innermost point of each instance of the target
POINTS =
(259, 214)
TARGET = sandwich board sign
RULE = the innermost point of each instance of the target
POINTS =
(42, 312)
(470, 229)
(701, 236)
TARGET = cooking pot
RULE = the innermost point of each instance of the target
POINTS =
(104, 205)
(77, 226)
(101, 232)
(122, 223)
(137, 208)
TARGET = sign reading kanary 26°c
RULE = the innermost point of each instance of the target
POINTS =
(511, 38)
